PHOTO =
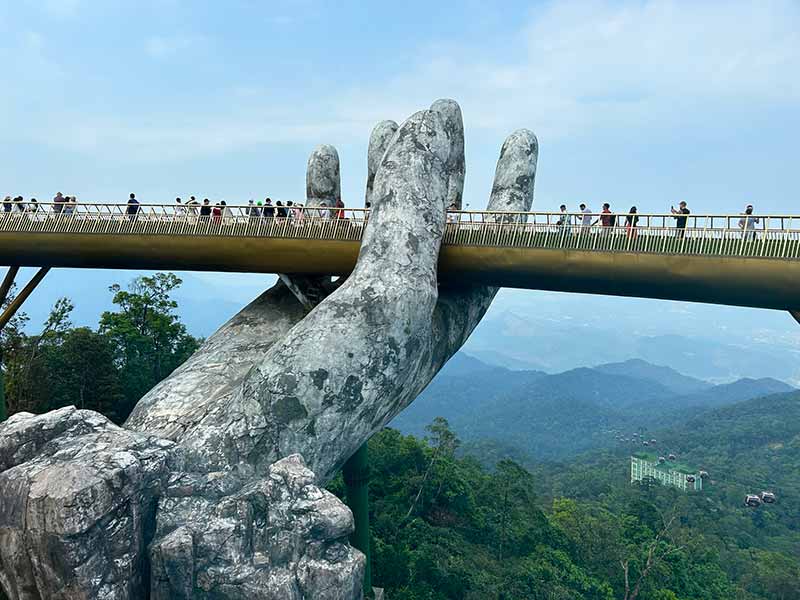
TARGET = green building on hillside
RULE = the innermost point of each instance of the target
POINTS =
(667, 472)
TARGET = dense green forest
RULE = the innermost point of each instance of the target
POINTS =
(453, 520)
(105, 369)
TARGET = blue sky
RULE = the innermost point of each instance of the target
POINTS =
(644, 103)
(639, 102)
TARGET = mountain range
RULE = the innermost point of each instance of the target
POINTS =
(552, 417)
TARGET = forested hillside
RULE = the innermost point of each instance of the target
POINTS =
(533, 416)
(446, 527)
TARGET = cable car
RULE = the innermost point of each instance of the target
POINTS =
(752, 501)
(672, 457)
(703, 474)
(661, 460)
(645, 444)
(767, 497)
(690, 478)
(653, 441)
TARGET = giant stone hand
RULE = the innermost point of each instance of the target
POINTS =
(274, 380)
(204, 493)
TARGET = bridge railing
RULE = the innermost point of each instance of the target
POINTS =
(775, 236)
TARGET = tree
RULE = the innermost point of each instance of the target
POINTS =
(81, 372)
(148, 339)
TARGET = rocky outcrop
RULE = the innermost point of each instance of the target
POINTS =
(78, 506)
(229, 535)
(85, 503)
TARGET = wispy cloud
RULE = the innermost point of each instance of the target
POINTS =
(573, 68)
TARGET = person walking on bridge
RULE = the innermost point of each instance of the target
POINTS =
(586, 218)
(681, 219)
(58, 203)
(133, 207)
(631, 221)
(606, 219)
(748, 223)
(564, 222)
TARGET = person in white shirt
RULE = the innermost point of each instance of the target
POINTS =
(748, 223)
(586, 218)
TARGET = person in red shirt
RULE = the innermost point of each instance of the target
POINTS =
(216, 213)
(340, 206)
(606, 219)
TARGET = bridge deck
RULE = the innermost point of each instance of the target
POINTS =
(712, 260)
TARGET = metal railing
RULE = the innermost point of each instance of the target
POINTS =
(770, 236)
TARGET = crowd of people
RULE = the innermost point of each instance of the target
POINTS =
(581, 221)
(607, 220)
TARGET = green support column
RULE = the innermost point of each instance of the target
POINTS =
(356, 483)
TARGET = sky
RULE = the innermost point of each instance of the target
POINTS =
(645, 103)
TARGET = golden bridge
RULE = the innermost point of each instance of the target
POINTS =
(718, 259)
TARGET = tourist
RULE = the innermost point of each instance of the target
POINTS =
(586, 217)
(340, 206)
(281, 211)
(216, 213)
(452, 215)
(19, 205)
(7, 204)
(269, 210)
(297, 212)
(70, 204)
(227, 213)
(631, 221)
(180, 209)
(58, 203)
(748, 223)
(205, 210)
(251, 207)
(680, 221)
(564, 219)
(606, 218)
(289, 209)
(133, 207)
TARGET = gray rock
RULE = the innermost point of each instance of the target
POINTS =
(323, 187)
(450, 112)
(78, 506)
(83, 500)
(273, 538)
(379, 141)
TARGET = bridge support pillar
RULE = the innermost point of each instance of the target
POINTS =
(9, 312)
(356, 482)
(8, 281)
(14, 305)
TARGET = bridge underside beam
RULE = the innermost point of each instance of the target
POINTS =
(737, 281)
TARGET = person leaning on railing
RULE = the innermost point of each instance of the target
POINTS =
(631, 221)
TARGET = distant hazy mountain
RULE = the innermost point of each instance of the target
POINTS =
(555, 416)
(670, 378)
(729, 393)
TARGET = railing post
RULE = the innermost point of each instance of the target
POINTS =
(356, 482)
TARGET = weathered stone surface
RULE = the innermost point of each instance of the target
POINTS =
(450, 112)
(78, 506)
(226, 535)
(379, 141)
(323, 187)
(83, 499)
